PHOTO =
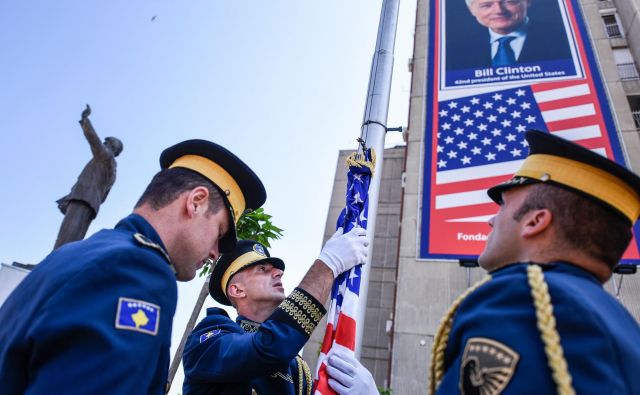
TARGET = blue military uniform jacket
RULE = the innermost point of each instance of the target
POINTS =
(495, 347)
(94, 317)
(226, 357)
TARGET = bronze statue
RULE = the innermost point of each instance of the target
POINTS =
(81, 205)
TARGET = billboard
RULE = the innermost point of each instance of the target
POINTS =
(499, 68)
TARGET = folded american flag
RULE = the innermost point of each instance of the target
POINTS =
(343, 311)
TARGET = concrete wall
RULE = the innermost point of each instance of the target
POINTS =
(10, 277)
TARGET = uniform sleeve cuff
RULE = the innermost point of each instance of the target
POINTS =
(300, 310)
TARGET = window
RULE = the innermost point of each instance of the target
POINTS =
(626, 66)
(611, 26)
(634, 103)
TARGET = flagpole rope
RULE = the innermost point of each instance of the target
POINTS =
(546, 323)
(441, 338)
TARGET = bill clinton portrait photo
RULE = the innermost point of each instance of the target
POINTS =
(484, 35)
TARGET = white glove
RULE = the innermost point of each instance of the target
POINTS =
(343, 251)
(348, 376)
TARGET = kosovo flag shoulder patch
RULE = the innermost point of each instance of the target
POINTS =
(138, 315)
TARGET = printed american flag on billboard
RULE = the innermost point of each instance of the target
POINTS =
(475, 133)
(482, 136)
(480, 142)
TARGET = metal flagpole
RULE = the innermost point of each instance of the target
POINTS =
(374, 128)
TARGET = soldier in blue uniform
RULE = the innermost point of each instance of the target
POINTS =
(95, 315)
(258, 352)
(541, 322)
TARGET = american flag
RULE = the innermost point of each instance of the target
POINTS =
(480, 142)
(345, 294)
(482, 136)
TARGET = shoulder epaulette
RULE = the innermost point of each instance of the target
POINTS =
(145, 241)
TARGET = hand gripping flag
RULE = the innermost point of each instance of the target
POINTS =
(343, 311)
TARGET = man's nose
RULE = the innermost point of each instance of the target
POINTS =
(499, 6)
(277, 273)
(491, 221)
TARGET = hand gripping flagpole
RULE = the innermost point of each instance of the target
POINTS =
(374, 128)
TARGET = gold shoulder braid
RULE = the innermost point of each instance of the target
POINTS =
(304, 375)
(441, 338)
(547, 326)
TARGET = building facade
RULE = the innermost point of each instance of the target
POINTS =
(407, 295)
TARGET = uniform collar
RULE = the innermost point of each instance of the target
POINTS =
(137, 224)
(247, 324)
(560, 266)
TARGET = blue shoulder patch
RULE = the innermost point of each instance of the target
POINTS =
(209, 335)
(138, 315)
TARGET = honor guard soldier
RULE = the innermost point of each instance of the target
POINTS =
(258, 353)
(95, 315)
(541, 321)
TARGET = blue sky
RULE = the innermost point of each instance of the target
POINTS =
(280, 83)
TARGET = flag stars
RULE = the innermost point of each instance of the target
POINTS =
(524, 143)
(462, 145)
(530, 119)
(475, 100)
(511, 137)
(448, 140)
(452, 154)
(455, 117)
(465, 109)
(443, 113)
(446, 126)
(482, 127)
(458, 131)
(486, 141)
(496, 132)
(478, 113)
(473, 136)
(465, 160)
(515, 114)
(516, 152)
(492, 118)
(501, 147)
(476, 150)
(511, 101)
(505, 123)
(502, 109)
(453, 104)
(357, 198)
(442, 163)
(487, 105)
(525, 105)
(357, 177)
(468, 122)
(440, 148)
(497, 97)
(520, 92)
(490, 156)
(362, 217)
(521, 128)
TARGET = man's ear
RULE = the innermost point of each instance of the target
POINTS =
(236, 291)
(197, 200)
(535, 222)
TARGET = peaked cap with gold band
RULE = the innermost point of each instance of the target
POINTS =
(247, 253)
(240, 187)
(560, 162)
